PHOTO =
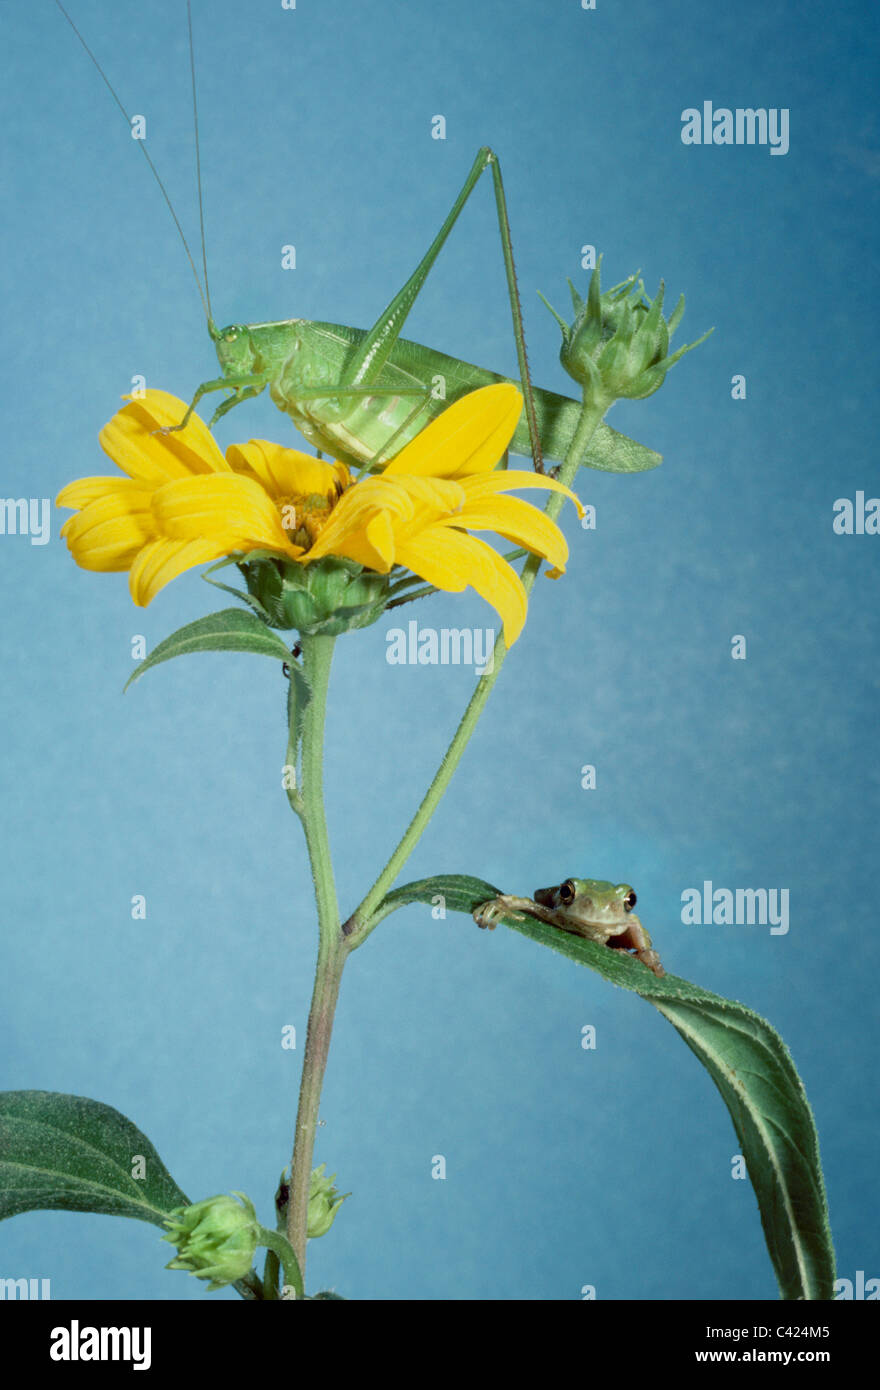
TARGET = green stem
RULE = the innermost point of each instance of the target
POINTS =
(270, 1276)
(317, 658)
(332, 951)
(281, 1253)
(360, 924)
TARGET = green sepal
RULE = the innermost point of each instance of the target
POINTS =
(675, 317)
(324, 599)
(558, 317)
(576, 300)
(248, 599)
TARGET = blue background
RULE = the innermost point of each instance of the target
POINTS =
(564, 1167)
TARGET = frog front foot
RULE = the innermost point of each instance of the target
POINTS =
(489, 914)
(637, 940)
(648, 956)
(652, 960)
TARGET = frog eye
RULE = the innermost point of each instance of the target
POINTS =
(630, 901)
(566, 892)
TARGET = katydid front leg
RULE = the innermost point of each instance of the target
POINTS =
(243, 388)
(246, 387)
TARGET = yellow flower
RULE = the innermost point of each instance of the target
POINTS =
(182, 503)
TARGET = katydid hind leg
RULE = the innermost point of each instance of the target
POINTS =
(516, 311)
(378, 344)
(383, 454)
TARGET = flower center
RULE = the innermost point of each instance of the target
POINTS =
(304, 517)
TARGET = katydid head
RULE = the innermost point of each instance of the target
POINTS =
(236, 351)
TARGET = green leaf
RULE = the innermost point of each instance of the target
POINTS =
(461, 892)
(758, 1081)
(230, 630)
(74, 1154)
(617, 453)
(750, 1065)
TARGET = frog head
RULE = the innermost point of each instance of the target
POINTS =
(590, 902)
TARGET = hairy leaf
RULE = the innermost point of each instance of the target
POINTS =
(750, 1065)
(67, 1152)
(230, 630)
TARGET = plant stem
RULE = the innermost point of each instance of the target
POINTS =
(332, 951)
(359, 925)
(317, 658)
(331, 959)
(279, 1252)
(270, 1276)
(334, 945)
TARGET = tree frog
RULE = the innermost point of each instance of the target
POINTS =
(588, 907)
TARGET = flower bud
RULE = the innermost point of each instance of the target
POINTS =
(331, 596)
(618, 344)
(215, 1239)
(324, 1203)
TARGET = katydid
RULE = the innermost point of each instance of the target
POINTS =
(360, 395)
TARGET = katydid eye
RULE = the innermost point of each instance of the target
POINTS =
(630, 901)
(566, 892)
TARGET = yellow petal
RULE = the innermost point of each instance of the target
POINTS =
(356, 508)
(451, 560)
(228, 506)
(517, 521)
(163, 560)
(108, 533)
(356, 546)
(469, 437)
(82, 491)
(512, 480)
(131, 441)
(380, 535)
(285, 471)
(435, 495)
